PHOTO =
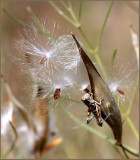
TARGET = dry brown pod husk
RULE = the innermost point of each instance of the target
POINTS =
(100, 91)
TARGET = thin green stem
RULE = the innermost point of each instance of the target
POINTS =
(133, 97)
(130, 150)
(113, 58)
(89, 128)
(72, 13)
(62, 13)
(103, 26)
(94, 131)
(129, 121)
(80, 11)
(37, 21)
(119, 152)
(21, 22)
(70, 99)
(94, 53)
(33, 81)
(64, 4)
(125, 153)
(13, 145)
(17, 20)
(101, 65)
(86, 38)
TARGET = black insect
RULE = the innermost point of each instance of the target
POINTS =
(93, 107)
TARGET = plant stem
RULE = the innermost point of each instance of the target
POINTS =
(133, 97)
(80, 11)
(70, 99)
(100, 64)
(130, 150)
(86, 38)
(119, 152)
(103, 26)
(83, 33)
(13, 145)
(113, 59)
(37, 21)
(17, 20)
(125, 153)
(93, 51)
(64, 4)
(72, 13)
(94, 131)
(62, 13)
(20, 22)
(129, 121)
(89, 128)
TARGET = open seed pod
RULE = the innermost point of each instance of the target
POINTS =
(100, 91)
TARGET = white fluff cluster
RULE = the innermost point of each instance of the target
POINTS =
(122, 81)
(53, 62)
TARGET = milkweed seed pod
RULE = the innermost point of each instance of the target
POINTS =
(101, 91)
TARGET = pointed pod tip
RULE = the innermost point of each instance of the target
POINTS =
(72, 34)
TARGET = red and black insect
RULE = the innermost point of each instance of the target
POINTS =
(93, 107)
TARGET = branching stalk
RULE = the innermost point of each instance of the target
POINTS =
(37, 21)
(80, 11)
(102, 28)
(21, 22)
(62, 13)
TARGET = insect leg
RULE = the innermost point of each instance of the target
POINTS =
(106, 117)
(91, 119)
(88, 115)
(99, 103)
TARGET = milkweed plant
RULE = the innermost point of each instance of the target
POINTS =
(59, 78)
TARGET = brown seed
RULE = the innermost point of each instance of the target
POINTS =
(120, 91)
(43, 60)
(57, 94)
